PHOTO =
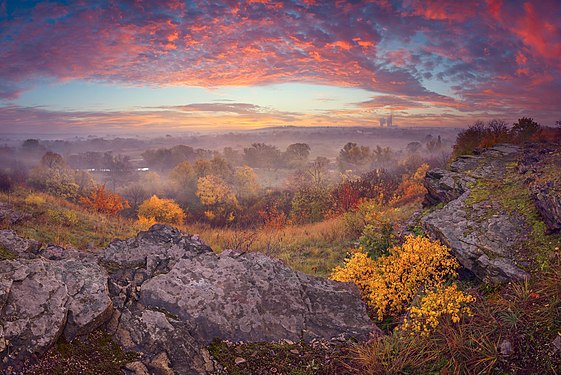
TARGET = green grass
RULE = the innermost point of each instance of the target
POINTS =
(6, 254)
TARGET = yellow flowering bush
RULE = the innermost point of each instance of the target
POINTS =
(434, 306)
(390, 283)
(359, 268)
(35, 200)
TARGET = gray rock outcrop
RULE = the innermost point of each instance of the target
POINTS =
(489, 208)
(166, 296)
(481, 235)
(180, 296)
(40, 299)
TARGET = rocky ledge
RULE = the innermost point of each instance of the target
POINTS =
(493, 208)
(165, 295)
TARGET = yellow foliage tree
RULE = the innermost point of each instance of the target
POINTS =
(391, 282)
(246, 182)
(214, 193)
(160, 210)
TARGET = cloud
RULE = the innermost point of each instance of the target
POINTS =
(500, 55)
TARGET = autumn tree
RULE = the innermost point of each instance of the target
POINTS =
(246, 182)
(53, 176)
(104, 201)
(219, 199)
(161, 210)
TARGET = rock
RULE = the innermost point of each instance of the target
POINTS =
(444, 186)
(160, 364)
(42, 299)
(557, 344)
(19, 247)
(547, 198)
(137, 368)
(176, 295)
(11, 216)
(155, 250)
(482, 235)
(505, 348)
(165, 295)
(239, 360)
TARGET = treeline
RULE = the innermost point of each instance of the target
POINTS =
(225, 188)
(487, 134)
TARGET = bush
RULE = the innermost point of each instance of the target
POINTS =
(160, 210)
(104, 201)
(524, 129)
(481, 135)
(35, 200)
(434, 306)
(390, 283)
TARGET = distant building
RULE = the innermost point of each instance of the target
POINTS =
(387, 121)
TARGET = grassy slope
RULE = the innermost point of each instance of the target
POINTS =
(312, 248)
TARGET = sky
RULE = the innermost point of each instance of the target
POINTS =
(133, 66)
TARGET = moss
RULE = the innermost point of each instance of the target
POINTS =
(513, 196)
(95, 354)
(6, 254)
(283, 358)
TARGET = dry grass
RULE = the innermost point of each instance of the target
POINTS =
(311, 248)
(55, 220)
(526, 316)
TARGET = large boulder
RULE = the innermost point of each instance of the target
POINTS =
(166, 296)
(174, 296)
(41, 299)
(444, 186)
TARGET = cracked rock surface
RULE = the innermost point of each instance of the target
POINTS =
(166, 296)
(41, 299)
(483, 235)
(182, 296)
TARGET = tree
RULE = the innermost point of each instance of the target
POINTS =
(6, 182)
(54, 177)
(218, 197)
(525, 128)
(246, 182)
(434, 145)
(183, 175)
(161, 210)
(104, 201)
(413, 147)
(296, 154)
(261, 155)
(311, 204)
(53, 160)
(135, 194)
(353, 156)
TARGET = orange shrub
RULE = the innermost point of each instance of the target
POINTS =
(104, 201)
